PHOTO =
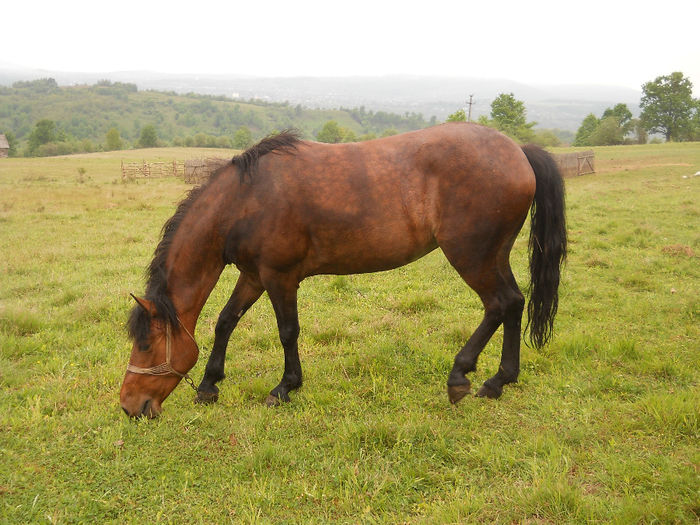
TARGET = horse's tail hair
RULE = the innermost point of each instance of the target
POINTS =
(547, 245)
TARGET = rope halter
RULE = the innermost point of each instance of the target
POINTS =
(166, 368)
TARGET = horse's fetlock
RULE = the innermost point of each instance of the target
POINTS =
(293, 381)
(509, 377)
(465, 364)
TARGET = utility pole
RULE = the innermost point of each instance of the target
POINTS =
(470, 103)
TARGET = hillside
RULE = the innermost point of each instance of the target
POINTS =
(85, 113)
(551, 106)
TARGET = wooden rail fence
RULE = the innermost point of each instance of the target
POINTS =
(198, 170)
(194, 171)
(577, 163)
(152, 170)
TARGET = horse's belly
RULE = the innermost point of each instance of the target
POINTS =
(382, 247)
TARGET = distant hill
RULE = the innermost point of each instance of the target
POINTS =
(551, 106)
(84, 114)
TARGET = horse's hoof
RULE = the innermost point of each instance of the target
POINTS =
(457, 392)
(206, 398)
(488, 391)
(273, 401)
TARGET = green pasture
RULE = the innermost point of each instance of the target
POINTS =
(602, 426)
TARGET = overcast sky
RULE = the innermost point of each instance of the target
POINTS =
(610, 42)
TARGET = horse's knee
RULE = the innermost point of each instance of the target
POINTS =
(224, 326)
(289, 333)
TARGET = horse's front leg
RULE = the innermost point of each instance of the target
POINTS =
(247, 290)
(282, 290)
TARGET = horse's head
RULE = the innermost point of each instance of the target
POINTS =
(162, 354)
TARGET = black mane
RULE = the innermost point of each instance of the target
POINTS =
(282, 142)
(156, 277)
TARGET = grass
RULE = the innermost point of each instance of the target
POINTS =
(602, 427)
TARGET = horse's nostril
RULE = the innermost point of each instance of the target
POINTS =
(144, 409)
(125, 411)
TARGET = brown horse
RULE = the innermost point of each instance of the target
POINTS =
(287, 209)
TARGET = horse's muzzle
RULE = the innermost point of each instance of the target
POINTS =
(148, 409)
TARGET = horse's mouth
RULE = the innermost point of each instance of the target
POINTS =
(149, 410)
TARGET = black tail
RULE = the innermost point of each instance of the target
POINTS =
(547, 245)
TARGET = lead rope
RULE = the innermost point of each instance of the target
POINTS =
(186, 376)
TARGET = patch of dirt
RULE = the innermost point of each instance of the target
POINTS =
(678, 250)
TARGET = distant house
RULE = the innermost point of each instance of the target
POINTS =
(4, 146)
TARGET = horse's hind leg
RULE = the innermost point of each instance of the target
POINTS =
(503, 304)
(247, 290)
(509, 368)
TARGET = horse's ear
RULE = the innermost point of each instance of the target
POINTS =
(147, 305)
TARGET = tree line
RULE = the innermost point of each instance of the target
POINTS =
(667, 109)
(114, 116)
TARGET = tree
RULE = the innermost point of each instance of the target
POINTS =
(114, 140)
(223, 142)
(149, 137)
(623, 115)
(546, 138)
(331, 132)
(588, 126)
(695, 133)
(640, 132)
(44, 131)
(200, 140)
(242, 138)
(610, 129)
(349, 135)
(509, 116)
(457, 116)
(608, 132)
(668, 107)
(484, 121)
(41, 86)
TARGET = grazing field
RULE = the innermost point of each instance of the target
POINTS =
(602, 427)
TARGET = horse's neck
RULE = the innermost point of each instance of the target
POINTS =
(194, 265)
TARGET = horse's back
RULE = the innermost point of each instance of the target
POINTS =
(454, 153)
(414, 177)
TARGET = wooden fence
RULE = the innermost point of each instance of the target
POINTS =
(574, 164)
(152, 170)
(194, 171)
(198, 170)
